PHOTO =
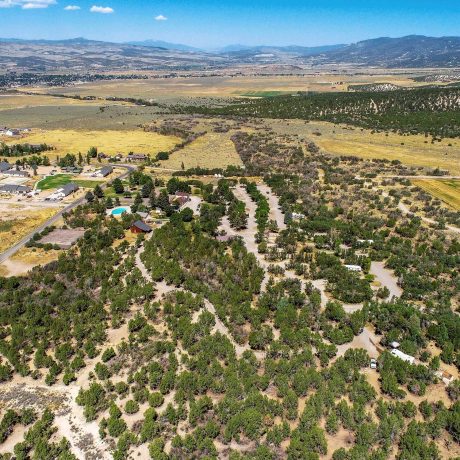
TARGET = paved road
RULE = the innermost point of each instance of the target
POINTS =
(13, 249)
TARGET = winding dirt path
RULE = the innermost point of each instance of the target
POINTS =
(405, 211)
(275, 210)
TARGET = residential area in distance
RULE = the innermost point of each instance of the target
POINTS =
(228, 252)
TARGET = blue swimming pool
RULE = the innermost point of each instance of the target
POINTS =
(120, 210)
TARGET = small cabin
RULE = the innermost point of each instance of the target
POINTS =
(140, 227)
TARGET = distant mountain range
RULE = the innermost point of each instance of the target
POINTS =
(410, 51)
(165, 45)
(81, 54)
(302, 50)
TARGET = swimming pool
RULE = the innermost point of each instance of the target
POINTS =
(118, 211)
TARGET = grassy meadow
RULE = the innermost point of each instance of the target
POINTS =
(213, 150)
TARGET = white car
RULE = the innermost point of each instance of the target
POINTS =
(373, 363)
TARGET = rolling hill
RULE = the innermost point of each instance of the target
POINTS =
(410, 51)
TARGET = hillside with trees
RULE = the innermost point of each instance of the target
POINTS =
(430, 111)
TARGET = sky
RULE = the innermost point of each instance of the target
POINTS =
(214, 23)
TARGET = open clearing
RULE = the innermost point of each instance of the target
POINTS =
(61, 179)
(447, 190)
(108, 141)
(411, 150)
(26, 259)
(16, 222)
(213, 150)
(63, 237)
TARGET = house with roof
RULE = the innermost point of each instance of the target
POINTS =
(140, 227)
(63, 192)
(136, 157)
(179, 198)
(144, 215)
(72, 169)
(5, 166)
(12, 132)
(445, 376)
(16, 172)
(103, 172)
(15, 189)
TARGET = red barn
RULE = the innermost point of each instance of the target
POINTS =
(140, 227)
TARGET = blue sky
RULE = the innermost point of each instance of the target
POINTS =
(214, 23)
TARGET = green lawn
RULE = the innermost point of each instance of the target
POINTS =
(59, 180)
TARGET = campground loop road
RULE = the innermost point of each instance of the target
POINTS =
(15, 248)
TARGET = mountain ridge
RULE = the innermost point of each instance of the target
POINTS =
(80, 53)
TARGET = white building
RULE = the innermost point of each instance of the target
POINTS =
(401, 355)
(103, 172)
(354, 268)
(12, 132)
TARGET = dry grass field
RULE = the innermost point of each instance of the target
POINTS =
(17, 221)
(107, 141)
(36, 256)
(412, 150)
(447, 190)
(25, 259)
(162, 89)
(21, 101)
(213, 150)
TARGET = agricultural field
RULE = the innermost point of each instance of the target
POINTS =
(448, 191)
(108, 141)
(171, 89)
(213, 150)
(64, 113)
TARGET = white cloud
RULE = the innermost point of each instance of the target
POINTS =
(72, 8)
(101, 9)
(160, 17)
(27, 4)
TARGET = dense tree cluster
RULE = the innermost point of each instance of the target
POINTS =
(20, 150)
(432, 111)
